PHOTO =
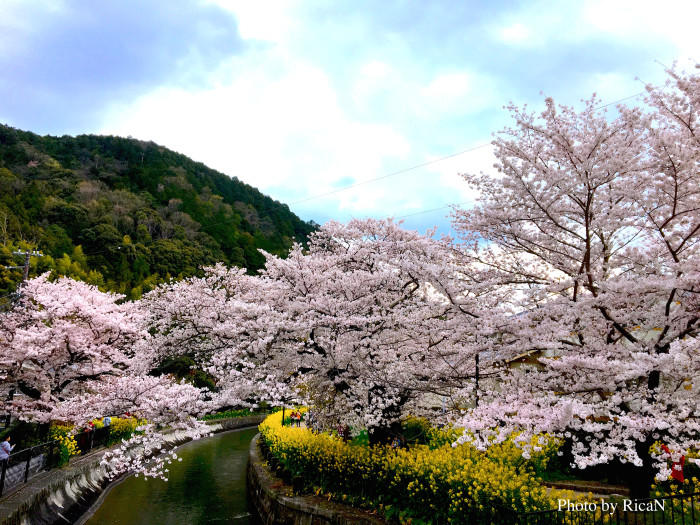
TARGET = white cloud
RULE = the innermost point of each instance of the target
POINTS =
(406, 94)
(461, 92)
(260, 20)
(449, 86)
(275, 123)
(372, 79)
(538, 24)
(375, 70)
(541, 24)
(674, 20)
(479, 160)
(515, 33)
(277, 120)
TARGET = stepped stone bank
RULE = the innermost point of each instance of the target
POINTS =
(67, 495)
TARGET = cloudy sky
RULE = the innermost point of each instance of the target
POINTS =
(304, 99)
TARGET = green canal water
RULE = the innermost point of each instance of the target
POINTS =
(207, 486)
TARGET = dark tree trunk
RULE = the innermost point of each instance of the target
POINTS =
(384, 435)
(641, 478)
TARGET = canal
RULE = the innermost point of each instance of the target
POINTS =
(207, 486)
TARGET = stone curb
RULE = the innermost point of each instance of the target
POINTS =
(275, 502)
(64, 495)
(589, 486)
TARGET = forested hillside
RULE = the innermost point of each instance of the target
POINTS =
(126, 214)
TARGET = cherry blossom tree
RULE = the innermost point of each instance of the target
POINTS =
(362, 324)
(592, 224)
(61, 336)
(70, 350)
(368, 328)
(220, 321)
(169, 411)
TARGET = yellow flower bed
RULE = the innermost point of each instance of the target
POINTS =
(67, 445)
(123, 424)
(123, 427)
(120, 428)
(420, 484)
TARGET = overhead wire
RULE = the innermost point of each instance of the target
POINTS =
(392, 174)
(421, 212)
(411, 168)
(428, 163)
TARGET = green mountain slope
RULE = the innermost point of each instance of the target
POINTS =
(126, 214)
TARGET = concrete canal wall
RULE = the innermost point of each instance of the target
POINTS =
(64, 495)
(275, 502)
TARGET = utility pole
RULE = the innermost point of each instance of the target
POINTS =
(28, 254)
(27, 257)
(8, 416)
(13, 268)
(476, 382)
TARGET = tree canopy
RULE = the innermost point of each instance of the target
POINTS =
(125, 214)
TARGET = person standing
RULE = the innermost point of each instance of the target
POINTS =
(5, 449)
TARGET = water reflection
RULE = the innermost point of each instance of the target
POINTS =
(207, 486)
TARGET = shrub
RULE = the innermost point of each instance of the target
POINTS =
(416, 430)
(445, 484)
(122, 428)
(242, 412)
(67, 446)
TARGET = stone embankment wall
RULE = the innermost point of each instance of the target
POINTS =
(275, 502)
(64, 495)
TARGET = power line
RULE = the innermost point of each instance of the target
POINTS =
(431, 210)
(27, 254)
(392, 174)
(428, 163)
(618, 101)
(467, 202)
(411, 168)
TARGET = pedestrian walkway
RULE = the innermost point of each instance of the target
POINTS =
(15, 474)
